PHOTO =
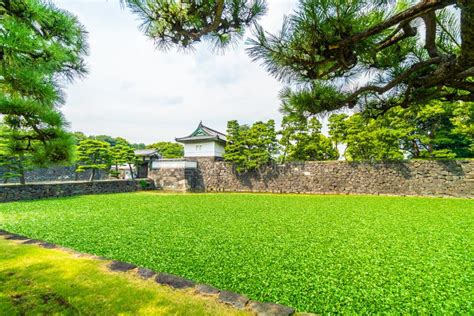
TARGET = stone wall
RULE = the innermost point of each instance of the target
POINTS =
(58, 173)
(174, 179)
(418, 177)
(16, 192)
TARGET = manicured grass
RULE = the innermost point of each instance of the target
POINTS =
(316, 253)
(36, 281)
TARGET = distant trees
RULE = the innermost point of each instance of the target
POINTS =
(435, 130)
(168, 149)
(123, 153)
(250, 147)
(302, 140)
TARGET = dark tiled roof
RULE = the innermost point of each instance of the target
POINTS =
(203, 132)
(146, 152)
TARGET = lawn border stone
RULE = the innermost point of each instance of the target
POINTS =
(206, 290)
(174, 281)
(235, 300)
(145, 273)
(120, 266)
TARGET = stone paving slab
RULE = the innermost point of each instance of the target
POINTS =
(205, 289)
(121, 266)
(173, 281)
(145, 273)
(233, 299)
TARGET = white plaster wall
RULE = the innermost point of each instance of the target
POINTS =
(204, 149)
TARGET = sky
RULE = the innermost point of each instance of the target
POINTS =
(146, 95)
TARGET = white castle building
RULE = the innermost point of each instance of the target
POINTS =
(204, 142)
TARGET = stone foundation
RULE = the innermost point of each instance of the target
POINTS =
(16, 192)
(174, 179)
(418, 177)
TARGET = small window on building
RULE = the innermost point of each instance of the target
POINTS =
(198, 147)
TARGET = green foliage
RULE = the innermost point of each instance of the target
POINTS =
(321, 254)
(325, 45)
(93, 155)
(172, 22)
(168, 149)
(250, 147)
(366, 138)
(42, 47)
(22, 150)
(434, 130)
(303, 141)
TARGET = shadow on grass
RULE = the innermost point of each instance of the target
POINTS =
(38, 281)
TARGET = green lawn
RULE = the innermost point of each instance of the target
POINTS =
(37, 281)
(315, 253)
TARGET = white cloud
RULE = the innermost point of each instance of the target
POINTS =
(143, 94)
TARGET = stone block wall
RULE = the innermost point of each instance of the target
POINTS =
(58, 173)
(174, 179)
(16, 192)
(418, 177)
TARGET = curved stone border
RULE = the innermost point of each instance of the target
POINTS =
(232, 299)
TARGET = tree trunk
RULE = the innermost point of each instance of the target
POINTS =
(22, 176)
(21, 170)
(131, 170)
(466, 59)
(76, 174)
(92, 175)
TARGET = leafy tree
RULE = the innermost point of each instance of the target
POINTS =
(22, 150)
(183, 23)
(399, 52)
(250, 147)
(123, 153)
(303, 141)
(435, 130)
(138, 145)
(430, 130)
(325, 44)
(168, 149)
(93, 155)
(41, 48)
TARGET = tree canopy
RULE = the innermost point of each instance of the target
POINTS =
(250, 147)
(435, 130)
(183, 23)
(337, 53)
(302, 140)
(168, 149)
(41, 48)
(93, 155)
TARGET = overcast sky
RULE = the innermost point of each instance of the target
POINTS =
(145, 95)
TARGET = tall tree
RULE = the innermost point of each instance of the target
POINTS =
(302, 140)
(250, 147)
(41, 48)
(93, 155)
(123, 153)
(395, 53)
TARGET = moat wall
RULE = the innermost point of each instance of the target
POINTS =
(33, 191)
(418, 177)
